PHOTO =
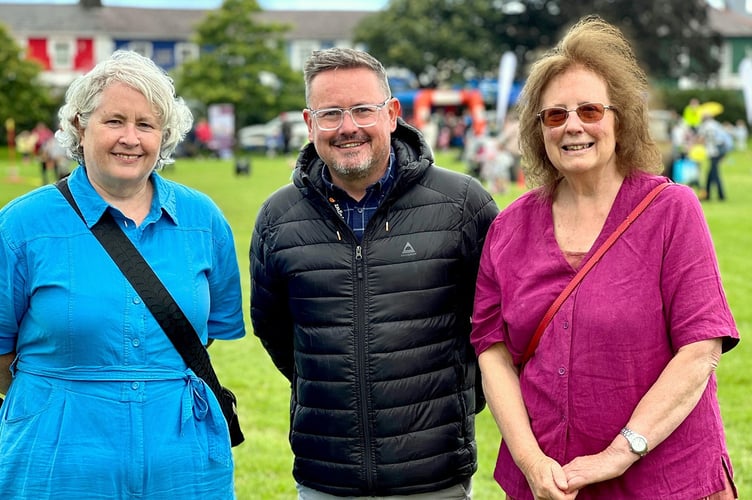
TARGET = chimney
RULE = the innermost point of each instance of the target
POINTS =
(90, 4)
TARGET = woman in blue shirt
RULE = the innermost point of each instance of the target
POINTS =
(99, 403)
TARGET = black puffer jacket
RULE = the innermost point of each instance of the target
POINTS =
(374, 335)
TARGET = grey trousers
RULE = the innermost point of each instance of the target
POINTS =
(462, 491)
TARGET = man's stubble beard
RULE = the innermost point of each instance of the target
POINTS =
(352, 172)
(353, 168)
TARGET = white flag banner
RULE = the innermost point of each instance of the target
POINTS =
(222, 123)
(507, 67)
(745, 72)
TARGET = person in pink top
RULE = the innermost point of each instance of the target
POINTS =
(619, 399)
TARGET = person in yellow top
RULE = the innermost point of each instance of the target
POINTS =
(25, 142)
(691, 114)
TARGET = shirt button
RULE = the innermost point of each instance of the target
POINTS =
(136, 342)
(135, 386)
(565, 324)
(136, 300)
(562, 370)
(360, 210)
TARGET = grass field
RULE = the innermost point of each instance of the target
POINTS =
(264, 461)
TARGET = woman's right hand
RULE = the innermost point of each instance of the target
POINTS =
(5, 377)
(547, 479)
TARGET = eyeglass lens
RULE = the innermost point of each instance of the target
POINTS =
(362, 116)
(588, 113)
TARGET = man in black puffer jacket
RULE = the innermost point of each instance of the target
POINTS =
(363, 273)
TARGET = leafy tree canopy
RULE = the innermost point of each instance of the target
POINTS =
(243, 63)
(452, 40)
(22, 97)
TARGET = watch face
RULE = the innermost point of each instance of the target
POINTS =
(639, 444)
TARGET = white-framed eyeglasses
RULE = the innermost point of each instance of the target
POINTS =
(362, 115)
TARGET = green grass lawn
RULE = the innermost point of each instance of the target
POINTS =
(264, 461)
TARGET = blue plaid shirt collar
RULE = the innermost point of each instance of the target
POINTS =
(357, 213)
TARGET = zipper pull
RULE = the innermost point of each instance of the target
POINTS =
(359, 261)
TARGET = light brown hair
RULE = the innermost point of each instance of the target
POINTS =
(600, 47)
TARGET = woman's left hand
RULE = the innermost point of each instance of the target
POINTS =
(608, 464)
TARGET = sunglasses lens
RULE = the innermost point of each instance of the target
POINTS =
(554, 117)
(590, 113)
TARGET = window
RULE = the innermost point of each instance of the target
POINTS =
(62, 54)
(163, 58)
(143, 48)
(185, 51)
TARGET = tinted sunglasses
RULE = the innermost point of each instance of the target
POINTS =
(589, 112)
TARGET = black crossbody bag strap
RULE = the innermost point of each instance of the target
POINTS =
(159, 301)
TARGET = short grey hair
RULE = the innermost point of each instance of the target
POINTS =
(139, 72)
(342, 58)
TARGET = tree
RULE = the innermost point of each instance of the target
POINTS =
(438, 40)
(450, 40)
(672, 39)
(22, 97)
(242, 62)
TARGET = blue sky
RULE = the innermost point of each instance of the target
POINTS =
(211, 4)
(265, 4)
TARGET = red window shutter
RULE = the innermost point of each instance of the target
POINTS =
(84, 58)
(37, 51)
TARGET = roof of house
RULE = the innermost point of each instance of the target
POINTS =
(730, 23)
(162, 24)
(178, 24)
(156, 24)
(317, 24)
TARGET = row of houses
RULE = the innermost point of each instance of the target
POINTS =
(69, 39)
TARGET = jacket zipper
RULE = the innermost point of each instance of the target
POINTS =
(362, 372)
(360, 334)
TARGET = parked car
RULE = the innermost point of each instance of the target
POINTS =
(268, 136)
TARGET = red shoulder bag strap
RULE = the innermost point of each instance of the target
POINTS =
(587, 267)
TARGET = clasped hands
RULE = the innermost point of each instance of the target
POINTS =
(549, 480)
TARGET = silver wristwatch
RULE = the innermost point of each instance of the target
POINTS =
(637, 442)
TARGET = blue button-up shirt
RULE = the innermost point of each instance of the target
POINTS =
(83, 335)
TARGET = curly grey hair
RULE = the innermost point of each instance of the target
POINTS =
(132, 69)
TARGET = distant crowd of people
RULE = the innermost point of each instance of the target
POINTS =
(39, 145)
(700, 142)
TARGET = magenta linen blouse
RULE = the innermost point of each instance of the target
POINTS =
(657, 289)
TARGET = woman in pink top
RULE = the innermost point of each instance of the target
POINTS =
(619, 399)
